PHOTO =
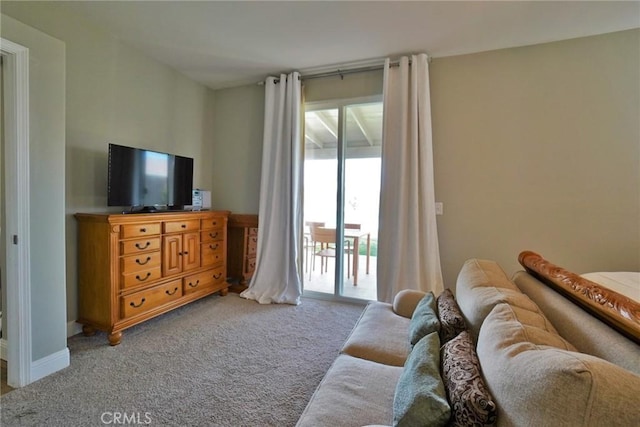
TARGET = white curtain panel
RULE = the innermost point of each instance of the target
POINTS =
(277, 277)
(408, 252)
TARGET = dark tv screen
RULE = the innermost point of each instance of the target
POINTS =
(145, 178)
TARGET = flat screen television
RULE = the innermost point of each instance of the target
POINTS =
(148, 181)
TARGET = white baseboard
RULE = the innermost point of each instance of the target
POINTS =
(3, 349)
(45, 366)
(50, 364)
(73, 328)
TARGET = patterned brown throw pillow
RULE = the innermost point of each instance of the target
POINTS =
(471, 402)
(451, 318)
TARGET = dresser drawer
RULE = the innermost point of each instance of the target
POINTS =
(212, 235)
(141, 277)
(252, 243)
(143, 301)
(140, 262)
(249, 266)
(213, 247)
(215, 222)
(139, 245)
(132, 268)
(139, 230)
(212, 253)
(177, 226)
(205, 280)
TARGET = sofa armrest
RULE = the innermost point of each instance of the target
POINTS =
(405, 302)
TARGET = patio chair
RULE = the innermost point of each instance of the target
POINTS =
(309, 243)
(326, 237)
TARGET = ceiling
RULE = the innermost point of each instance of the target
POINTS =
(229, 43)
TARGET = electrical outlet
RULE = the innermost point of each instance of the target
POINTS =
(439, 208)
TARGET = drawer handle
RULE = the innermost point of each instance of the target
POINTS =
(171, 293)
(254, 239)
(143, 262)
(214, 223)
(143, 247)
(213, 248)
(197, 283)
(145, 278)
(184, 226)
(139, 305)
(217, 276)
(143, 230)
(213, 235)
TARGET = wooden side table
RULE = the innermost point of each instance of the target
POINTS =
(242, 240)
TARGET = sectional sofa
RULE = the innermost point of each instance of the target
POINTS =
(509, 352)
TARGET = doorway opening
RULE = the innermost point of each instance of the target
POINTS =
(342, 163)
(16, 344)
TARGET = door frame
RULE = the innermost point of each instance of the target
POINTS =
(17, 208)
(339, 104)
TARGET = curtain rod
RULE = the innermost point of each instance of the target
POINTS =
(338, 72)
(343, 73)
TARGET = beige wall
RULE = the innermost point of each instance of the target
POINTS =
(539, 148)
(46, 185)
(535, 148)
(238, 122)
(349, 86)
(116, 94)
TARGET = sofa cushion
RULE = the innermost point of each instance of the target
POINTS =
(424, 319)
(405, 302)
(380, 335)
(420, 398)
(354, 392)
(535, 380)
(478, 303)
(586, 332)
(510, 321)
(451, 318)
(481, 285)
(471, 402)
(533, 318)
(482, 272)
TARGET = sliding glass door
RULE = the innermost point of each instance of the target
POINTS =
(341, 197)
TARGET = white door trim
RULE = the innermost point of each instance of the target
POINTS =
(17, 238)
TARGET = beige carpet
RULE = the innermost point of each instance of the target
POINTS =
(221, 361)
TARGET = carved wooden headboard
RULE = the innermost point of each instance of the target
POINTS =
(615, 309)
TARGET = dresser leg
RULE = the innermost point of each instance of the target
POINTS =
(224, 292)
(115, 338)
(88, 331)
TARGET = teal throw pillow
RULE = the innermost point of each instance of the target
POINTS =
(424, 319)
(420, 398)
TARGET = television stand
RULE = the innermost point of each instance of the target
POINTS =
(135, 267)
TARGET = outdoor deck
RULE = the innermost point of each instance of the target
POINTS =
(324, 282)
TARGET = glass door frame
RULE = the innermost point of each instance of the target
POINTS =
(341, 105)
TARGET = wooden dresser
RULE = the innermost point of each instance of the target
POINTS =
(132, 267)
(241, 248)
